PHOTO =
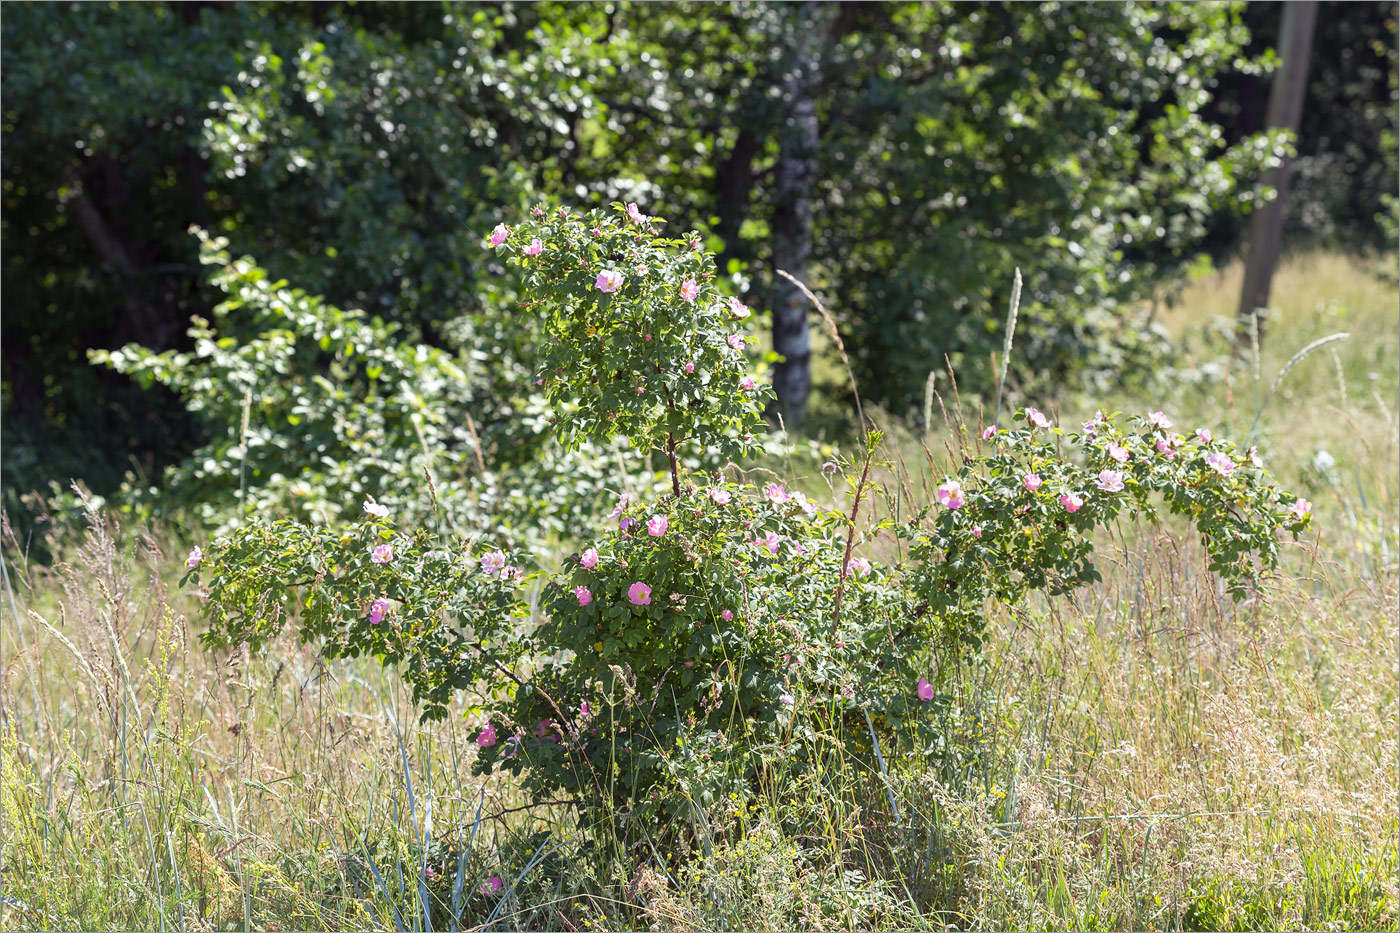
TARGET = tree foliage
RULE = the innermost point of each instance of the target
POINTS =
(363, 150)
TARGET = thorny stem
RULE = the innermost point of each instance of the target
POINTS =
(671, 445)
(565, 719)
(671, 456)
(850, 540)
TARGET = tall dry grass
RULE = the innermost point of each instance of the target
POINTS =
(1147, 755)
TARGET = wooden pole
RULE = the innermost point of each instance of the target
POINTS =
(1286, 95)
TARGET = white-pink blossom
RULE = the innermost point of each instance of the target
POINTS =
(493, 563)
(609, 280)
(1221, 463)
(1037, 418)
(1111, 481)
(950, 494)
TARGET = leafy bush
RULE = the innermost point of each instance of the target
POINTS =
(307, 409)
(447, 616)
(639, 341)
(720, 639)
(1019, 518)
(686, 644)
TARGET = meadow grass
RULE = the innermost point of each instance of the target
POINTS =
(1147, 754)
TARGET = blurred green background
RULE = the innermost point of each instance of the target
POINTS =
(903, 157)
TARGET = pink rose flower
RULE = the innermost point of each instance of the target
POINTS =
(584, 710)
(720, 496)
(1111, 481)
(858, 567)
(657, 525)
(689, 290)
(487, 737)
(1071, 502)
(589, 559)
(1035, 417)
(689, 368)
(1033, 482)
(771, 541)
(735, 341)
(499, 235)
(377, 610)
(626, 523)
(493, 563)
(775, 494)
(583, 595)
(787, 699)
(375, 509)
(925, 690)
(1164, 447)
(950, 494)
(1221, 463)
(492, 885)
(1203, 435)
(634, 215)
(1301, 509)
(977, 531)
(989, 432)
(747, 384)
(193, 558)
(639, 593)
(609, 280)
(808, 508)
(535, 248)
(738, 308)
(1118, 453)
(382, 554)
(1159, 420)
(727, 616)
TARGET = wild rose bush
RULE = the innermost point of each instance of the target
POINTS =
(446, 614)
(640, 342)
(1020, 517)
(717, 636)
(691, 642)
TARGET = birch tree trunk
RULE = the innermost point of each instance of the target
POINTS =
(795, 179)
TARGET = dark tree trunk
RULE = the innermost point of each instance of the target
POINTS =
(733, 188)
(795, 179)
(140, 320)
